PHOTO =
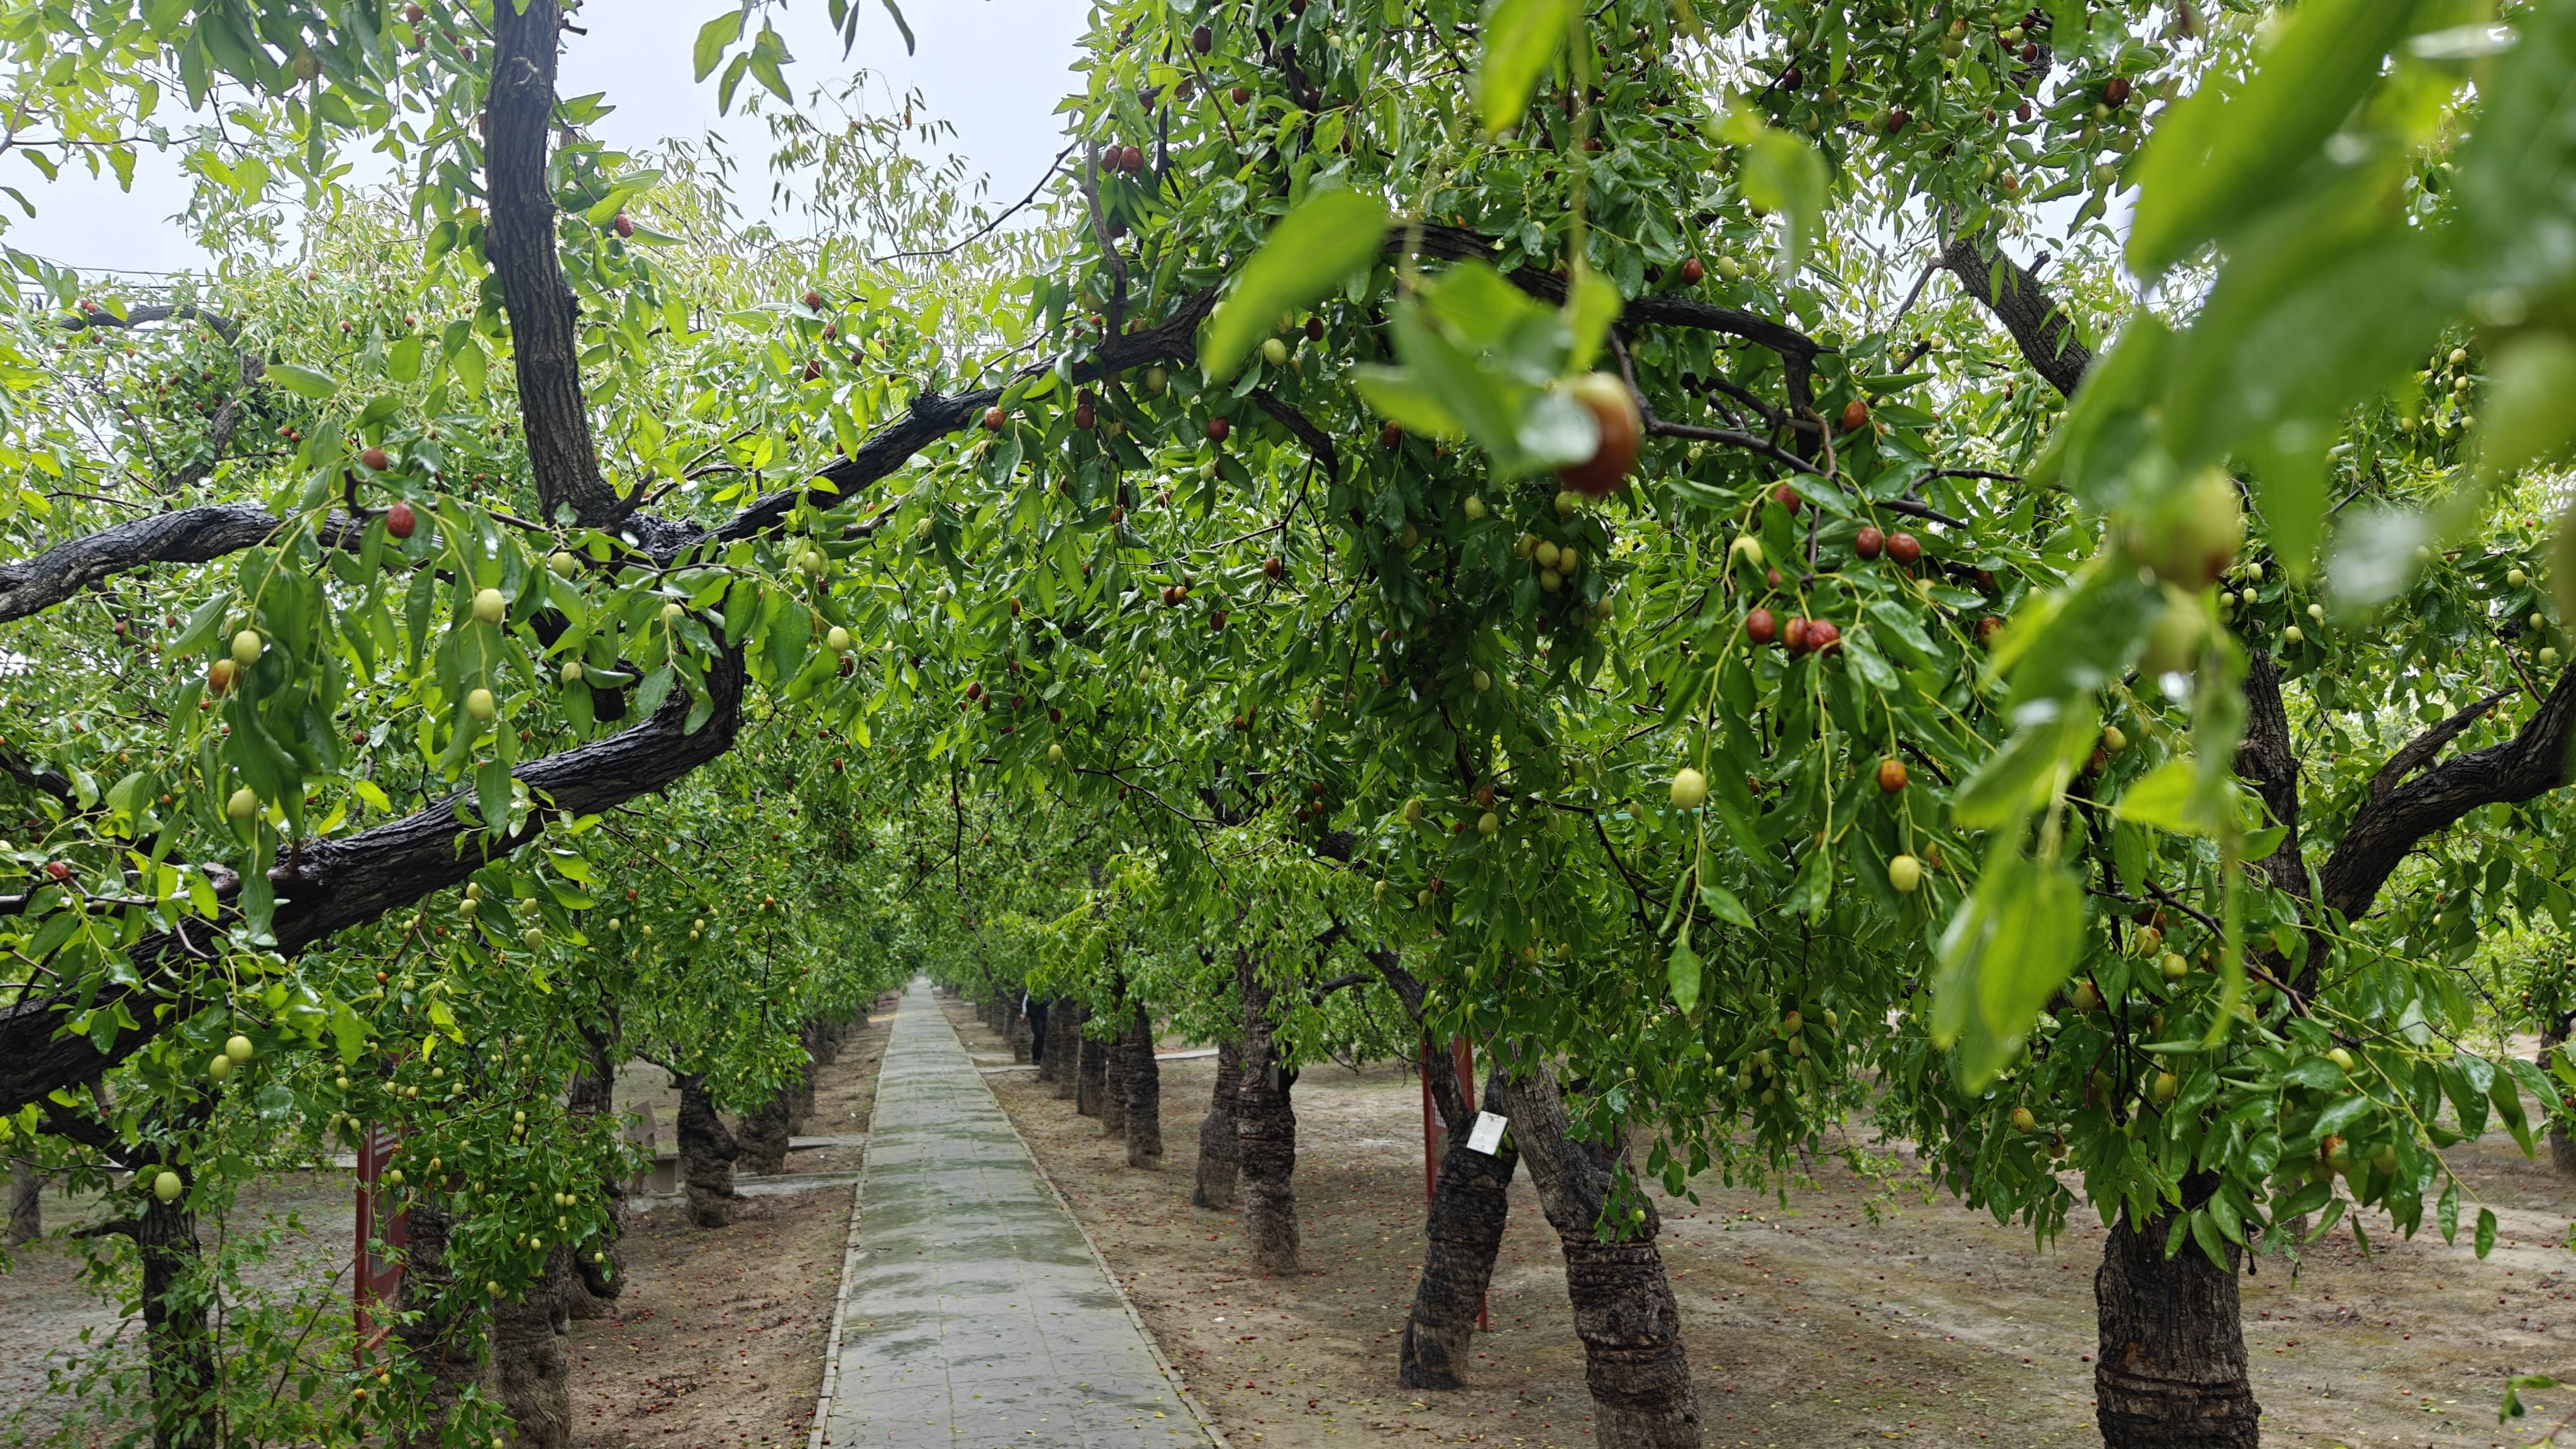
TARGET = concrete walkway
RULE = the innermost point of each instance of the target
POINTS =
(973, 1313)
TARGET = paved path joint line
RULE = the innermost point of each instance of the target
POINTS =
(973, 1313)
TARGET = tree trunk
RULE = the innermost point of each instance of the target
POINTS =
(1093, 1083)
(1117, 1064)
(1144, 1095)
(26, 1205)
(2171, 1371)
(532, 1357)
(823, 1043)
(763, 1135)
(707, 1152)
(1624, 1311)
(439, 1328)
(1468, 1207)
(2562, 1147)
(1064, 1048)
(1220, 1156)
(1023, 1034)
(186, 1392)
(593, 1093)
(1265, 1132)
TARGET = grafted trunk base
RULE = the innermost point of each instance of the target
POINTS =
(2171, 1371)
(707, 1153)
(1634, 1362)
(532, 1359)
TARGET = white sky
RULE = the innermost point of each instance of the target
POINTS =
(994, 68)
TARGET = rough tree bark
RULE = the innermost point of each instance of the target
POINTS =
(26, 1205)
(1624, 1310)
(1469, 1206)
(1092, 1086)
(2562, 1147)
(764, 1133)
(440, 1330)
(1023, 1034)
(1220, 1156)
(1265, 1131)
(593, 1093)
(178, 1347)
(1144, 1094)
(1117, 1063)
(532, 1357)
(2171, 1370)
(1064, 1050)
(707, 1152)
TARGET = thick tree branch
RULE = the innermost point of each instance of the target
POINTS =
(544, 343)
(2041, 328)
(182, 536)
(2269, 760)
(2536, 760)
(330, 885)
(2419, 751)
(932, 417)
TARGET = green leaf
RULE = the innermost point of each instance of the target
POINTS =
(1591, 305)
(896, 11)
(1783, 174)
(2169, 798)
(2224, 153)
(2486, 1235)
(1400, 398)
(2526, 418)
(2010, 946)
(1683, 973)
(302, 381)
(714, 38)
(1522, 39)
(1307, 255)
(1722, 903)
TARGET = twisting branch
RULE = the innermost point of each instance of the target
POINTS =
(2419, 751)
(2536, 760)
(330, 885)
(183, 536)
(1302, 428)
(2041, 328)
(544, 346)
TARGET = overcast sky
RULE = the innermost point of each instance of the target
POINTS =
(995, 68)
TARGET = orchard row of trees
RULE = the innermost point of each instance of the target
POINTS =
(1587, 531)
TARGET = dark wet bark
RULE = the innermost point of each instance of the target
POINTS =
(2562, 1147)
(1265, 1132)
(532, 1357)
(592, 1093)
(2171, 1372)
(1024, 1036)
(823, 1042)
(178, 1346)
(1469, 1206)
(1093, 1086)
(707, 1153)
(763, 1135)
(441, 1329)
(1220, 1156)
(1064, 1048)
(26, 1205)
(1144, 1094)
(1624, 1311)
(1118, 1061)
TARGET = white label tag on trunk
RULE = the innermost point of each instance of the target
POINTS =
(1487, 1135)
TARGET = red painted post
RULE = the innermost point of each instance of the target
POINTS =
(381, 1234)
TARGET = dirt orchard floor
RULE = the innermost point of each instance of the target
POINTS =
(718, 1340)
(1806, 1324)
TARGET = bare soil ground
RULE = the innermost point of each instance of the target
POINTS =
(1807, 1324)
(718, 1340)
